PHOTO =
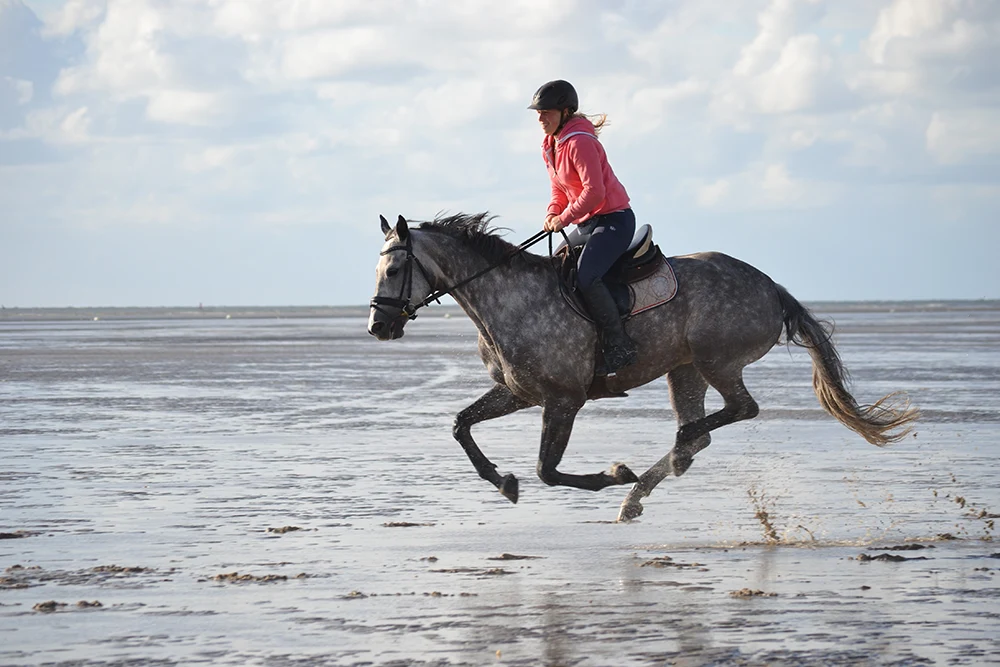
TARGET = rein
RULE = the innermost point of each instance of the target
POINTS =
(407, 309)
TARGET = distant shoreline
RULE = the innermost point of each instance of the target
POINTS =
(193, 313)
(295, 312)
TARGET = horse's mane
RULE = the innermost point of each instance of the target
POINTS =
(474, 231)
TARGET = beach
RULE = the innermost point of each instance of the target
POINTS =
(275, 487)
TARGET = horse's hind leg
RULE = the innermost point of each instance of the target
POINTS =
(557, 425)
(497, 402)
(739, 405)
(687, 395)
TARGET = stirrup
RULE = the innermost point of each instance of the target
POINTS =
(614, 358)
(618, 357)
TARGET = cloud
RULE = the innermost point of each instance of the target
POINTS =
(762, 186)
(137, 51)
(22, 91)
(712, 194)
(125, 57)
(183, 106)
(74, 16)
(778, 24)
(923, 47)
(785, 69)
(654, 105)
(957, 136)
(251, 114)
(327, 54)
(794, 82)
(55, 125)
(75, 125)
(905, 19)
(212, 157)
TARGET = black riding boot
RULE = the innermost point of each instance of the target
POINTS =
(619, 349)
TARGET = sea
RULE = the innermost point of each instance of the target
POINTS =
(273, 486)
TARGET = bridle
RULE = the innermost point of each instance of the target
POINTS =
(408, 309)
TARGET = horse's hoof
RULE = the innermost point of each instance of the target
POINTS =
(508, 488)
(622, 474)
(629, 511)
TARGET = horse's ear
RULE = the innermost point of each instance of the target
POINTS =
(401, 229)
(385, 225)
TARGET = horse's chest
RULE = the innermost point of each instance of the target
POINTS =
(511, 369)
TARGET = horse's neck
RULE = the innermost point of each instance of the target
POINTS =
(508, 292)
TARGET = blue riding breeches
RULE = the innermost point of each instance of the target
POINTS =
(610, 237)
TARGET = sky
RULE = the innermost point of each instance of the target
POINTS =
(239, 152)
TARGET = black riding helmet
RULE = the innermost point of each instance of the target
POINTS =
(556, 95)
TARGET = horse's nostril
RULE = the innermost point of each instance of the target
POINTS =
(376, 328)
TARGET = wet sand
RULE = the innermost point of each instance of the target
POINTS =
(286, 492)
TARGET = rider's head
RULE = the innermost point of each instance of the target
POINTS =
(555, 102)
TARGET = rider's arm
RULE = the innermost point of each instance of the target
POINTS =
(559, 200)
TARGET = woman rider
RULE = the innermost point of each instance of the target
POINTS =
(585, 192)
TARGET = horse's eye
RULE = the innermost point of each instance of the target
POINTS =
(391, 272)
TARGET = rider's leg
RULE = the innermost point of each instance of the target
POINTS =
(619, 349)
(609, 240)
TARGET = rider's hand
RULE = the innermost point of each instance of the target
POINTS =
(552, 223)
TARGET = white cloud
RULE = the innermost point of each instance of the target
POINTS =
(74, 16)
(762, 186)
(906, 19)
(212, 157)
(23, 90)
(183, 106)
(712, 194)
(452, 104)
(787, 68)
(776, 27)
(54, 125)
(75, 125)
(326, 54)
(125, 58)
(778, 186)
(795, 81)
(921, 48)
(327, 110)
(129, 57)
(652, 106)
(254, 20)
(957, 136)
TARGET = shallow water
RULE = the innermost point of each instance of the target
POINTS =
(170, 447)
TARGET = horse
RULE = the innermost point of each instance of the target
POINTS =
(539, 351)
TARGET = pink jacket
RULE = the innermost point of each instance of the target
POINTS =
(583, 184)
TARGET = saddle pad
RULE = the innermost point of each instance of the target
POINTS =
(654, 290)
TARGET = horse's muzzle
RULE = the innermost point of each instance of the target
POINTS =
(385, 329)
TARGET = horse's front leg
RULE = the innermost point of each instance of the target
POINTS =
(557, 425)
(497, 402)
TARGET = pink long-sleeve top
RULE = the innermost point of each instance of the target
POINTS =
(583, 184)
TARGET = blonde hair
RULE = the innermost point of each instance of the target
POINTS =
(598, 120)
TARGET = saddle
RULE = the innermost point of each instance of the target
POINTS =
(642, 278)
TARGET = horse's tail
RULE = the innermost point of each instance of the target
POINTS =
(876, 422)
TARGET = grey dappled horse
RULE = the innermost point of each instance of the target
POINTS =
(539, 352)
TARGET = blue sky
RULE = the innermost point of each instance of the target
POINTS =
(239, 152)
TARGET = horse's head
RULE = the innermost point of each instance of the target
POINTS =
(397, 284)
